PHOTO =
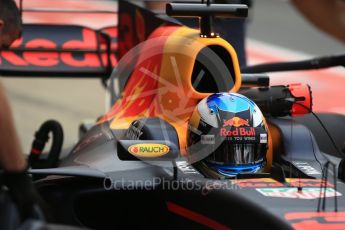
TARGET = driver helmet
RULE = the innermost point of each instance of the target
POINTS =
(227, 135)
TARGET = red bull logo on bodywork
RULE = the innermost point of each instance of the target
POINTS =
(235, 122)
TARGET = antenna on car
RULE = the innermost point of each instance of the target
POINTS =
(321, 206)
(206, 13)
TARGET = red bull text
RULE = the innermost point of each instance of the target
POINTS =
(237, 132)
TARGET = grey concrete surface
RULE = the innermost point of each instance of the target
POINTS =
(68, 101)
(278, 22)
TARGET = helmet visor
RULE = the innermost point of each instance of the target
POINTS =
(237, 154)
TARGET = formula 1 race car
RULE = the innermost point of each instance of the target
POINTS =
(134, 167)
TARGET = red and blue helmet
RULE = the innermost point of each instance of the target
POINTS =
(227, 136)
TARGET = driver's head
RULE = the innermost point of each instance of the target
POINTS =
(10, 23)
(227, 136)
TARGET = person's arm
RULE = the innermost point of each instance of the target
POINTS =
(11, 156)
(12, 160)
(327, 15)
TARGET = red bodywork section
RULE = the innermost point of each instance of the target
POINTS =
(134, 103)
(303, 96)
(316, 220)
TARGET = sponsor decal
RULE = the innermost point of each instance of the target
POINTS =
(316, 220)
(74, 38)
(271, 183)
(263, 138)
(148, 150)
(257, 183)
(235, 122)
(306, 168)
(308, 182)
(208, 139)
(185, 167)
(250, 132)
(306, 193)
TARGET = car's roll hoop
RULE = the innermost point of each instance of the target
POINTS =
(206, 12)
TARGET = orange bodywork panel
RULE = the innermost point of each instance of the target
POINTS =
(161, 84)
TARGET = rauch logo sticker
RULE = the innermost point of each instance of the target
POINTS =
(148, 150)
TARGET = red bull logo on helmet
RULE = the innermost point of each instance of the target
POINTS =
(235, 122)
(248, 132)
